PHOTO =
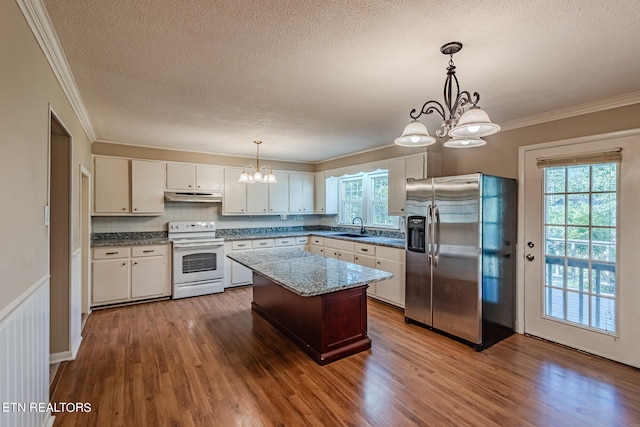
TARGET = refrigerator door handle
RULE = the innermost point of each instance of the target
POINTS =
(430, 234)
(436, 235)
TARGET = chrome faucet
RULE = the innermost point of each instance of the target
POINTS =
(362, 229)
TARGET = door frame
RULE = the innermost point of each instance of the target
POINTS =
(520, 279)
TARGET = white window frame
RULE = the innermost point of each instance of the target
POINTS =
(366, 212)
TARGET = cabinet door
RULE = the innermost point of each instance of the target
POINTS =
(111, 180)
(257, 198)
(209, 178)
(367, 261)
(307, 197)
(397, 187)
(319, 192)
(147, 277)
(180, 176)
(279, 194)
(240, 275)
(391, 290)
(301, 192)
(345, 256)
(110, 280)
(147, 192)
(235, 193)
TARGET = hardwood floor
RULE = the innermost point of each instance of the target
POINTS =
(211, 361)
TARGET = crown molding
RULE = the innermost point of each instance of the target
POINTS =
(40, 24)
(577, 110)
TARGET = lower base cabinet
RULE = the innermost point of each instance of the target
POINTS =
(130, 273)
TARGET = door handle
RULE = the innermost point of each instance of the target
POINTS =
(530, 257)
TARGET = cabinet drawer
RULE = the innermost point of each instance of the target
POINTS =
(392, 254)
(286, 241)
(318, 241)
(339, 244)
(241, 245)
(152, 250)
(362, 248)
(111, 252)
(262, 243)
(302, 240)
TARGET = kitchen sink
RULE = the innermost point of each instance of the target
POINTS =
(352, 235)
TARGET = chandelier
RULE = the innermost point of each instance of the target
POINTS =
(251, 174)
(462, 119)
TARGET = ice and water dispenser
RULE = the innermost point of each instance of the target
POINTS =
(416, 233)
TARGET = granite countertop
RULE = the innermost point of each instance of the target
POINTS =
(307, 274)
(160, 237)
(129, 239)
(370, 239)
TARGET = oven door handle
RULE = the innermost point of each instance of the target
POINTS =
(196, 245)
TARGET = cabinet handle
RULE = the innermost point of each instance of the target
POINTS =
(148, 251)
(378, 263)
(285, 241)
(356, 258)
(189, 185)
(124, 209)
(242, 245)
(112, 253)
(124, 263)
(135, 263)
(364, 250)
(263, 243)
(135, 209)
(198, 186)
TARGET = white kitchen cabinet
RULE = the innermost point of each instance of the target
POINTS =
(279, 193)
(392, 290)
(326, 194)
(339, 249)
(130, 273)
(235, 193)
(284, 242)
(365, 255)
(399, 171)
(316, 245)
(192, 177)
(147, 192)
(237, 274)
(124, 186)
(148, 272)
(257, 198)
(302, 243)
(111, 185)
(301, 192)
(111, 271)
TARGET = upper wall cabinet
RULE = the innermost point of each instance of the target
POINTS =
(326, 194)
(124, 186)
(399, 171)
(301, 189)
(235, 193)
(190, 177)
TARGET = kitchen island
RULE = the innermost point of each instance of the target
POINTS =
(319, 303)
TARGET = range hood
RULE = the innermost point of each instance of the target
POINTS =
(200, 197)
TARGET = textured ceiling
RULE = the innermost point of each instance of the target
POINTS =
(318, 79)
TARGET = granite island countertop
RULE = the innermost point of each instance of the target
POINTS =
(307, 274)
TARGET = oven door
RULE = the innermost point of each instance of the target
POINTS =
(197, 262)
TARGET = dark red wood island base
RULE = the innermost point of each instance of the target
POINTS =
(327, 327)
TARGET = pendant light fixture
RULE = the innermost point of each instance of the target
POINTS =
(465, 126)
(252, 174)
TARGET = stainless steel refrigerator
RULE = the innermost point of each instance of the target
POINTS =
(460, 256)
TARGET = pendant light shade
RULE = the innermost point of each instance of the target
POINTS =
(415, 135)
(464, 142)
(474, 123)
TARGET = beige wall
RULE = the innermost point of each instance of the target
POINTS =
(500, 155)
(137, 152)
(28, 87)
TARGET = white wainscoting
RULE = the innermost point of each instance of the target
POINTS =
(24, 358)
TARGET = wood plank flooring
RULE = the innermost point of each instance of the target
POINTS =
(211, 361)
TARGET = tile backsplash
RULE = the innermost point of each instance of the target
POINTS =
(194, 212)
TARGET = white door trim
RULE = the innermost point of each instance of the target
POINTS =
(520, 304)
